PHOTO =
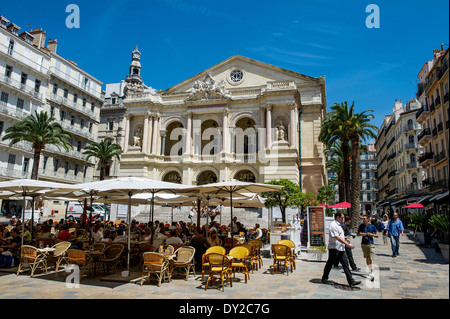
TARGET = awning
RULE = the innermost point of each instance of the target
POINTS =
(441, 196)
(424, 198)
(399, 201)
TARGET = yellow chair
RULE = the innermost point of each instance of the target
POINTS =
(239, 262)
(219, 264)
(81, 259)
(214, 249)
(281, 254)
(252, 256)
(291, 245)
(258, 244)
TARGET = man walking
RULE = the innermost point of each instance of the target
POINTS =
(336, 250)
(394, 228)
(348, 251)
(368, 231)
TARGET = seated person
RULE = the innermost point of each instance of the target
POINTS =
(200, 243)
(147, 236)
(213, 239)
(14, 243)
(64, 234)
(26, 236)
(121, 237)
(257, 233)
(240, 229)
(174, 239)
(160, 239)
(45, 232)
(107, 237)
(97, 234)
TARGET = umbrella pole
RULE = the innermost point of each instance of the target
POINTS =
(90, 222)
(198, 211)
(129, 231)
(153, 206)
(231, 207)
(23, 218)
(32, 216)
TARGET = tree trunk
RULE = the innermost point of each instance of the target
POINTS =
(346, 164)
(341, 187)
(36, 160)
(355, 210)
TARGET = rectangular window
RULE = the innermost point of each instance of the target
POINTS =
(20, 103)
(44, 164)
(55, 165)
(113, 100)
(37, 86)
(75, 98)
(76, 170)
(90, 127)
(79, 146)
(26, 162)
(72, 120)
(55, 88)
(23, 78)
(11, 161)
(92, 107)
(81, 123)
(62, 115)
(110, 126)
(66, 168)
(1, 127)
(8, 71)
(66, 93)
(52, 110)
(85, 172)
(4, 97)
(84, 102)
(11, 47)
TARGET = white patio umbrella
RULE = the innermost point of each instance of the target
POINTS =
(230, 188)
(29, 187)
(117, 188)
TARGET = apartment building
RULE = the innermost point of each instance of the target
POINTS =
(399, 174)
(33, 77)
(433, 92)
(369, 183)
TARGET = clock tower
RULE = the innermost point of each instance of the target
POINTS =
(134, 79)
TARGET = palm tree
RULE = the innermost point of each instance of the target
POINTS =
(334, 129)
(104, 151)
(360, 129)
(40, 130)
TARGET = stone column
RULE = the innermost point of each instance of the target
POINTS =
(293, 124)
(188, 141)
(269, 125)
(148, 147)
(145, 133)
(163, 143)
(155, 135)
(225, 137)
(127, 132)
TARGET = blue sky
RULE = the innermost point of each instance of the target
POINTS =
(180, 38)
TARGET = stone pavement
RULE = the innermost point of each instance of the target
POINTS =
(416, 273)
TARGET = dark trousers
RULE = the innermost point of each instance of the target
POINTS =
(349, 255)
(340, 256)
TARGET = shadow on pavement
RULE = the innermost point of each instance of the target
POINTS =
(335, 285)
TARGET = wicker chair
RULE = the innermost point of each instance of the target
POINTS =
(83, 260)
(100, 247)
(291, 245)
(239, 263)
(184, 259)
(59, 255)
(169, 250)
(258, 244)
(110, 257)
(214, 249)
(155, 263)
(31, 256)
(221, 265)
(253, 255)
(281, 254)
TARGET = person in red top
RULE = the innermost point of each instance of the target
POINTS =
(64, 235)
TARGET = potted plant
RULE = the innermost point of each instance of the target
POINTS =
(419, 222)
(441, 224)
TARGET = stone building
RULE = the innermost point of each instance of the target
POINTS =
(240, 119)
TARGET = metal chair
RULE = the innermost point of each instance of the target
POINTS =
(221, 265)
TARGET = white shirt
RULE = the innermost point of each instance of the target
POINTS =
(98, 236)
(174, 241)
(336, 230)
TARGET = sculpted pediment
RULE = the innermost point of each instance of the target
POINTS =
(208, 89)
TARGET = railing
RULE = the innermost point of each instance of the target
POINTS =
(392, 192)
(391, 142)
(446, 97)
(441, 184)
(75, 82)
(22, 59)
(440, 127)
(432, 107)
(392, 156)
(8, 172)
(23, 145)
(392, 173)
(434, 132)
(280, 85)
(20, 86)
(437, 101)
(423, 110)
(77, 131)
(409, 146)
(411, 165)
(62, 176)
(62, 100)
(425, 132)
(72, 153)
(12, 111)
(425, 157)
